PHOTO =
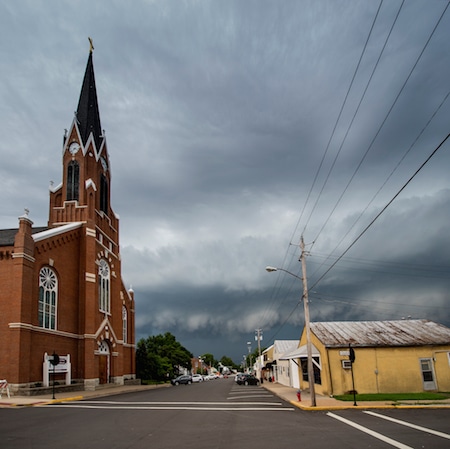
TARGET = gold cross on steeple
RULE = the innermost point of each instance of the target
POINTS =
(91, 45)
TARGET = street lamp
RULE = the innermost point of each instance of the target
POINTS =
(249, 346)
(312, 390)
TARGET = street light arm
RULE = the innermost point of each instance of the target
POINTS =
(271, 269)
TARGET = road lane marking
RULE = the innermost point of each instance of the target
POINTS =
(370, 432)
(178, 403)
(220, 409)
(247, 396)
(407, 424)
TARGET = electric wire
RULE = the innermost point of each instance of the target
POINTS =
(277, 286)
(356, 302)
(384, 120)
(388, 178)
(337, 122)
(382, 211)
(377, 266)
(398, 193)
(351, 123)
(365, 229)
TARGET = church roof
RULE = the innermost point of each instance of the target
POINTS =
(7, 236)
(88, 116)
(57, 230)
(381, 333)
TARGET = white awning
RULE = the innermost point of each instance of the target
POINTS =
(300, 353)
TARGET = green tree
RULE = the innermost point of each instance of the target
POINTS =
(226, 361)
(209, 360)
(161, 356)
(254, 355)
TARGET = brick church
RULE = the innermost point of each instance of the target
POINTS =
(61, 285)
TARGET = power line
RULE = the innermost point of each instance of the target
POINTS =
(357, 302)
(390, 175)
(354, 116)
(336, 123)
(382, 210)
(430, 272)
(277, 286)
(384, 120)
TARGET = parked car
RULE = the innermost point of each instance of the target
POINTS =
(185, 379)
(238, 376)
(197, 378)
(247, 379)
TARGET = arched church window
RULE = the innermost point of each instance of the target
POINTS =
(125, 323)
(103, 194)
(48, 296)
(73, 181)
(104, 280)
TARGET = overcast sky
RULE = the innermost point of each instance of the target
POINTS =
(233, 128)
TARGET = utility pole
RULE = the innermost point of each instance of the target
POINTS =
(258, 337)
(312, 390)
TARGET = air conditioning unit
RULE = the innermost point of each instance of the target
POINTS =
(346, 364)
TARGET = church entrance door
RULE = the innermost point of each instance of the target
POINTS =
(103, 369)
(103, 363)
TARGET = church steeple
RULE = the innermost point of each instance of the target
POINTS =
(87, 114)
(84, 193)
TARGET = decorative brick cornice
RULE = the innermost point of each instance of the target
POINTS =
(41, 330)
(5, 255)
(23, 256)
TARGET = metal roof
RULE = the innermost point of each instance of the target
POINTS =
(283, 346)
(381, 333)
(300, 352)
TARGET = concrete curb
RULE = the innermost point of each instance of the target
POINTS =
(324, 403)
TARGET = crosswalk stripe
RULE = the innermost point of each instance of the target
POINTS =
(377, 435)
(407, 424)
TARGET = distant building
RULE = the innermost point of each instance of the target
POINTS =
(61, 285)
(390, 357)
(285, 371)
(267, 363)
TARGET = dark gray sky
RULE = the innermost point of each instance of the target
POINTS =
(235, 127)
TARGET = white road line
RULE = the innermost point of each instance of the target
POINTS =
(176, 403)
(370, 432)
(247, 396)
(407, 424)
(221, 409)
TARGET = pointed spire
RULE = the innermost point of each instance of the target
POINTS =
(87, 113)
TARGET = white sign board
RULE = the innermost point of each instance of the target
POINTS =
(64, 366)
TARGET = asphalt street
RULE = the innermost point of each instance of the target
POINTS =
(215, 414)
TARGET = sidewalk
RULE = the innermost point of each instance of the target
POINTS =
(289, 394)
(110, 390)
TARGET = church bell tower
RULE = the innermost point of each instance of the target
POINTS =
(84, 194)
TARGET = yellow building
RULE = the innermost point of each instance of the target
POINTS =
(402, 356)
